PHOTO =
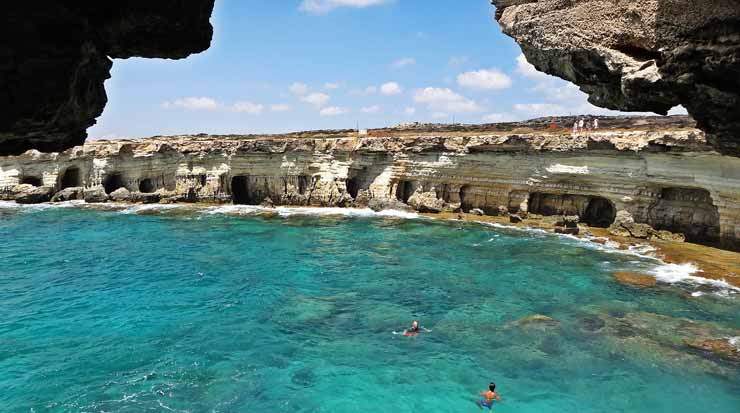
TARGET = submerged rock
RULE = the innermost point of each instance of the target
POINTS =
(536, 321)
(634, 279)
(721, 348)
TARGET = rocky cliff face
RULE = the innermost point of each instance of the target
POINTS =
(669, 180)
(55, 56)
(648, 55)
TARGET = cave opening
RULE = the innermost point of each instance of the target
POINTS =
(146, 186)
(600, 213)
(353, 187)
(303, 181)
(595, 211)
(32, 180)
(240, 190)
(70, 178)
(689, 211)
(465, 203)
(113, 182)
(404, 190)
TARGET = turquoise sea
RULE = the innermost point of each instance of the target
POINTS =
(226, 310)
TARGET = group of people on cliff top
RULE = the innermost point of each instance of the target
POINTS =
(585, 124)
(487, 397)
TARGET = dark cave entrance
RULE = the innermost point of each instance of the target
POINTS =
(113, 182)
(32, 180)
(353, 187)
(465, 203)
(146, 186)
(404, 190)
(600, 213)
(690, 211)
(595, 211)
(70, 178)
(243, 191)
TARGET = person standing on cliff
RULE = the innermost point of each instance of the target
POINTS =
(580, 125)
(596, 123)
(575, 128)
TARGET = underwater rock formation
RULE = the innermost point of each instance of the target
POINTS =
(649, 55)
(669, 181)
(56, 56)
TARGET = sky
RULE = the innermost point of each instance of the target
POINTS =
(292, 65)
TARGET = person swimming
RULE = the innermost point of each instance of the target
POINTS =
(487, 397)
(414, 330)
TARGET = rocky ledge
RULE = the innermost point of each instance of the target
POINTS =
(648, 184)
(55, 56)
(649, 55)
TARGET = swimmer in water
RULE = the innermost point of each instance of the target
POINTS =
(414, 330)
(487, 397)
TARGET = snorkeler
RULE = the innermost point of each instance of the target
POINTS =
(487, 397)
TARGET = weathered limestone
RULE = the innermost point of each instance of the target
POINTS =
(668, 180)
(646, 55)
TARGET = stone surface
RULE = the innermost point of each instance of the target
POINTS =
(120, 195)
(477, 211)
(34, 195)
(515, 219)
(68, 194)
(649, 55)
(56, 56)
(95, 195)
(426, 202)
(682, 186)
(721, 348)
(634, 279)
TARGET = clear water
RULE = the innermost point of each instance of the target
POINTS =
(104, 311)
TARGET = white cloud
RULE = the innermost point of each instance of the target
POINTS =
(440, 115)
(372, 109)
(279, 107)
(526, 69)
(391, 88)
(298, 89)
(333, 111)
(409, 111)
(325, 6)
(444, 99)
(486, 79)
(332, 86)
(317, 99)
(371, 90)
(248, 107)
(193, 103)
(401, 63)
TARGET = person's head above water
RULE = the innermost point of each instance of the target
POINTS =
(414, 325)
(492, 386)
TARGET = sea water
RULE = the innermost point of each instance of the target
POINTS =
(221, 310)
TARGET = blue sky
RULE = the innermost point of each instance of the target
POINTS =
(278, 66)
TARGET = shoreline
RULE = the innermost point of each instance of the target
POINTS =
(712, 263)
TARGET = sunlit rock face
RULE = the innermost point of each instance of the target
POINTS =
(55, 56)
(670, 180)
(648, 55)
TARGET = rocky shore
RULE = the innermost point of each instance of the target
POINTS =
(650, 184)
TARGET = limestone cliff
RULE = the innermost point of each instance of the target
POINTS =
(640, 55)
(671, 180)
(55, 56)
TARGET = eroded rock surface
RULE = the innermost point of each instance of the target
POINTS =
(649, 55)
(55, 56)
(669, 181)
